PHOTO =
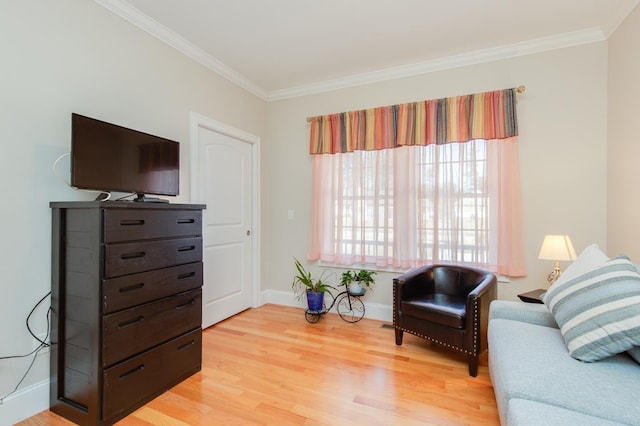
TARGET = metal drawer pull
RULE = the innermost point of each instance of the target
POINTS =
(186, 305)
(127, 323)
(130, 372)
(131, 287)
(186, 221)
(186, 275)
(186, 248)
(186, 345)
(131, 222)
(138, 254)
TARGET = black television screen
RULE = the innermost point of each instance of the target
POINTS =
(108, 157)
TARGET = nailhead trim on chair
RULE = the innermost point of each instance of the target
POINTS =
(436, 341)
(395, 291)
(475, 328)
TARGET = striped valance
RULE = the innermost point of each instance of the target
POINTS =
(489, 115)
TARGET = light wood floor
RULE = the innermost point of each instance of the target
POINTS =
(269, 366)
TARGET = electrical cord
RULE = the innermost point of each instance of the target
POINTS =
(43, 344)
(105, 197)
(55, 167)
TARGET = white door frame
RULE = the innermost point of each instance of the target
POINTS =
(198, 121)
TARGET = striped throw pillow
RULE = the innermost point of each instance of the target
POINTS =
(599, 311)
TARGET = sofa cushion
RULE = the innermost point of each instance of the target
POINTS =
(531, 362)
(523, 412)
(599, 311)
(532, 313)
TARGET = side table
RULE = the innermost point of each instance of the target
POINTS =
(532, 296)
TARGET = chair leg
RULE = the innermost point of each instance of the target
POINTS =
(398, 336)
(473, 365)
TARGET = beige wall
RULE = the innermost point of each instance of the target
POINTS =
(66, 56)
(562, 118)
(84, 59)
(624, 139)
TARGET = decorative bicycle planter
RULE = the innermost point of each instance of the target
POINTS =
(348, 304)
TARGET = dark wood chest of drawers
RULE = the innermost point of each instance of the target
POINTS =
(126, 305)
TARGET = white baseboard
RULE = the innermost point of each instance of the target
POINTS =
(25, 403)
(375, 311)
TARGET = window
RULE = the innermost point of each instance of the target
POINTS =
(380, 202)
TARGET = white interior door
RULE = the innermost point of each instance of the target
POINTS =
(224, 171)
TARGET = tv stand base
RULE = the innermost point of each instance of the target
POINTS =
(141, 198)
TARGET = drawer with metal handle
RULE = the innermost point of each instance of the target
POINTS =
(134, 330)
(134, 289)
(138, 224)
(137, 380)
(130, 258)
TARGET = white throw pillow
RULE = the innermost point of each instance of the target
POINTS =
(590, 258)
(599, 311)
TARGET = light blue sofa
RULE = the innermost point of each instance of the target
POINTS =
(537, 382)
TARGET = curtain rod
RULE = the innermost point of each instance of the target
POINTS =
(519, 89)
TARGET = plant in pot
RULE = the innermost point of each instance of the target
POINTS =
(314, 289)
(355, 281)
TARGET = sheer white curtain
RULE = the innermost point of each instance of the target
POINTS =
(414, 205)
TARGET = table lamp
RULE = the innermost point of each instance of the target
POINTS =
(558, 248)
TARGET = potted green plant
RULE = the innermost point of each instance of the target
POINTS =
(355, 280)
(314, 289)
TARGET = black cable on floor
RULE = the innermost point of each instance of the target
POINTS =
(43, 344)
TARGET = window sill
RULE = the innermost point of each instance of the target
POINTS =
(501, 278)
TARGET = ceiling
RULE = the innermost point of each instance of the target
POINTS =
(284, 48)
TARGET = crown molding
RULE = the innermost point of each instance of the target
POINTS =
(153, 27)
(144, 22)
(560, 41)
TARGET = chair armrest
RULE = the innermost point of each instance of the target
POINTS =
(412, 283)
(410, 276)
(478, 303)
(480, 298)
(487, 288)
(488, 282)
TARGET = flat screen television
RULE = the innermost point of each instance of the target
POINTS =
(107, 157)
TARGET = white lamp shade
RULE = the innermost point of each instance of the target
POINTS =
(557, 247)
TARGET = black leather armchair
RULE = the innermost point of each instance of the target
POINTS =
(446, 304)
